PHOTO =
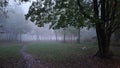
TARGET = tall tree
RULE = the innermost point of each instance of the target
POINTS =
(105, 17)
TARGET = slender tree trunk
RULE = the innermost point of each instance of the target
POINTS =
(71, 38)
(78, 40)
(16, 37)
(64, 36)
(20, 37)
(37, 36)
(56, 36)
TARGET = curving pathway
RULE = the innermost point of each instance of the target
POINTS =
(30, 61)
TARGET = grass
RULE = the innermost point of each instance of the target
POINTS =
(61, 52)
(9, 51)
(10, 56)
(58, 54)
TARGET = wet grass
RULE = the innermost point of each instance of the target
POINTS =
(10, 56)
(9, 52)
(61, 52)
(66, 54)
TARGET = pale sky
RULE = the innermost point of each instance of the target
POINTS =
(25, 5)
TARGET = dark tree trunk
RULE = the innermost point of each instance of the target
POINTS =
(78, 40)
(56, 36)
(64, 40)
(104, 18)
(71, 38)
(103, 43)
(103, 35)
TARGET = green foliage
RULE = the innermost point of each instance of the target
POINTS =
(59, 13)
(3, 3)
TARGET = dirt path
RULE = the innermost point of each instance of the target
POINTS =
(30, 61)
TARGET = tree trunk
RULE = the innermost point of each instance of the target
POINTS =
(78, 40)
(64, 40)
(56, 36)
(71, 38)
(37, 36)
(20, 37)
(103, 43)
(103, 35)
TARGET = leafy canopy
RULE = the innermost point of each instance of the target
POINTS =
(60, 13)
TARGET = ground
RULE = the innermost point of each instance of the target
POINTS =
(54, 55)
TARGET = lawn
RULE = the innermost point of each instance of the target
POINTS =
(56, 55)
(61, 52)
(64, 55)
(9, 54)
(10, 51)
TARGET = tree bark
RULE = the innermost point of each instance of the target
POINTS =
(103, 36)
(78, 40)
(103, 43)
(64, 40)
(56, 36)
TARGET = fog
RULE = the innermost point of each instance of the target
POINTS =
(59, 34)
(14, 27)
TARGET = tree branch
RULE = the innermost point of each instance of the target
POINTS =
(82, 10)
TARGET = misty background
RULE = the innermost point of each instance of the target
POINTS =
(14, 27)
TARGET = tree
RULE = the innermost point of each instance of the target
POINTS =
(56, 35)
(57, 15)
(78, 40)
(102, 14)
(15, 24)
(3, 12)
(74, 34)
(105, 16)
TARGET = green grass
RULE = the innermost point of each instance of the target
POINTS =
(61, 52)
(10, 51)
